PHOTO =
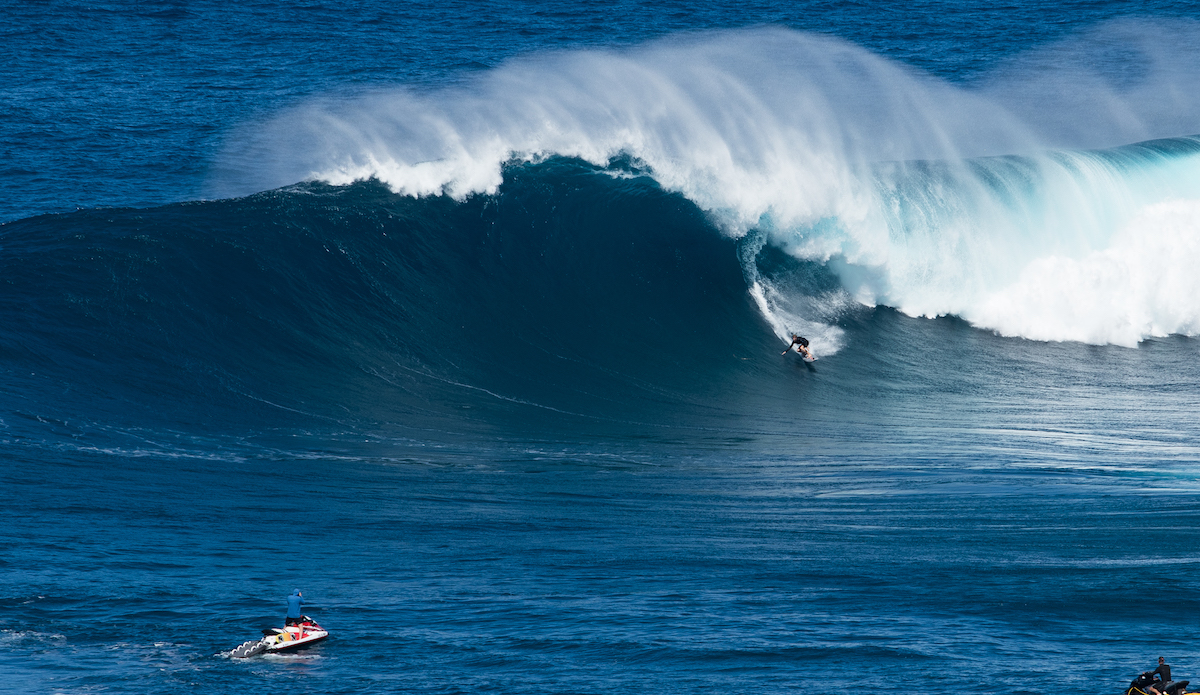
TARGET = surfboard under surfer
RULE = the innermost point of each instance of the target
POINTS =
(801, 344)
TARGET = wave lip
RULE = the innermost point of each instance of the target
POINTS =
(737, 121)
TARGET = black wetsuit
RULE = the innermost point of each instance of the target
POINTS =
(1164, 672)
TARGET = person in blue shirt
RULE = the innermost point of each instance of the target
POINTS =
(294, 616)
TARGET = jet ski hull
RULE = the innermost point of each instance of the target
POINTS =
(307, 639)
(288, 639)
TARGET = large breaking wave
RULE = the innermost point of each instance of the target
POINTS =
(1009, 200)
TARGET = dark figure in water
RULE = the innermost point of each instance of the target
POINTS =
(801, 344)
(294, 616)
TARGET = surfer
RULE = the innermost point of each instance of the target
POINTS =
(801, 344)
(294, 615)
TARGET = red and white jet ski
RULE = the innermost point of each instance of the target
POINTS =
(290, 638)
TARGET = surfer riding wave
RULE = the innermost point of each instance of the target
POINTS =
(801, 344)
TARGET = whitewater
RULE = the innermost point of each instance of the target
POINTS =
(1017, 201)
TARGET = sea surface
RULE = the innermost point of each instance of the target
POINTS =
(466, 319)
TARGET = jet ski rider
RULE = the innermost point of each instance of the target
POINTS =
(294, 616)
(1164, 673)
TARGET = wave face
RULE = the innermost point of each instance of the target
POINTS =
(1010, 201)
(570, 291)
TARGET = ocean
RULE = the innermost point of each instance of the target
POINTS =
(466, 320)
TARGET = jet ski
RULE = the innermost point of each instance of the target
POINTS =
(291, 638)
(1143, 683)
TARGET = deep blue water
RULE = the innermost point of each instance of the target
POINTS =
(466, 319)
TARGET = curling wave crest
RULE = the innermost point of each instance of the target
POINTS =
(1010, 200)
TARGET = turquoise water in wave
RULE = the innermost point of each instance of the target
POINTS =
(465, 319)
